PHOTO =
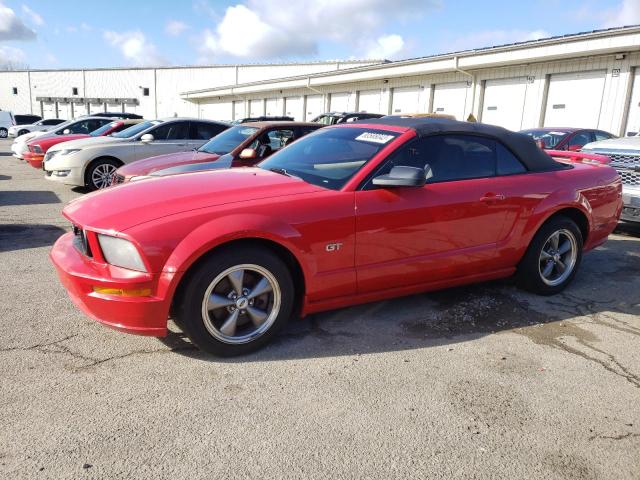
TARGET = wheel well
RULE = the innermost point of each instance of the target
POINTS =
(95, 160)
(578, 217)
(283, 253)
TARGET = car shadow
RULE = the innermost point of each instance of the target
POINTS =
(19, 237)
(23, 197)
(456, 315)
(6, 154)
(5, 177)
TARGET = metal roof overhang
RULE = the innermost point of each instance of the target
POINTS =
(619, 40)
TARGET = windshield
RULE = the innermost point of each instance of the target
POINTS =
(103, 129)
(228, 140)
(329, 158)
(550, 138)
(135, 129)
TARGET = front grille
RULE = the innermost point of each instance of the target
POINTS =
(116, 179)
(80, 241)
(627, 164)
(629, 177)
(624, 159)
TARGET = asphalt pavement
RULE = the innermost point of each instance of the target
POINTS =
(484, 381)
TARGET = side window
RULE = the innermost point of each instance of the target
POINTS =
(279, 138)
(205, 131)
(580, 139)
(50, 122)
(171, 131)
(507, 163)
(601, 136)
(80, 127)
(305, 131)
(96, 124)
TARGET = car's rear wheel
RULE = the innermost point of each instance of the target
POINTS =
(3, 133)
(23, 132)
(100, 174)
(553, 257)
(236, 301)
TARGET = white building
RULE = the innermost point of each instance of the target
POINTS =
(583, 80)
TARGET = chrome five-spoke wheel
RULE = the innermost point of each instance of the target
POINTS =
(558, 257)
(241, 304)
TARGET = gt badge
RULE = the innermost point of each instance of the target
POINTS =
(333, 247)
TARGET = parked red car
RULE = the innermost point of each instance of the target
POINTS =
(39, 145)
(572, 139)
(353, 213)
(240, 146)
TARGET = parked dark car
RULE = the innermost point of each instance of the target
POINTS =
(122, 115)
(264, 118)
(27, 119)
(572, 139)
(334, 118)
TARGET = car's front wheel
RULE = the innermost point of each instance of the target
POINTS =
(4, 132)
(100, 173)
(23, 132)
(553, 257)
(236, 301)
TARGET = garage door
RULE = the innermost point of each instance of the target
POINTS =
(575, 100)
(369, 101)
(315, 107)
(216, 111)
(340, 102)
(405, 100)
(96, 108)
(238, 109)
(48, 110)
(451, 99)
(633, 124)
(273, 107)
(504, 102)
(293, 108)
(256, 108)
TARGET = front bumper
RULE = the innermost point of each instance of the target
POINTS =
(631, 200)
(19, 149)
(80, 274)
(34, 159)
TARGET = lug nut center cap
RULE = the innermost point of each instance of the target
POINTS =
(242, 303)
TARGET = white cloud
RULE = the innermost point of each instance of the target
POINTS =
(175, 28)
(285, 28)
(11, 58)
(135, 48)
(626, 13)
(386, 46)
(490, 38)
(11, 27)
(35, 17)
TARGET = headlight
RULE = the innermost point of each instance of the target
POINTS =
(121, 253)
(37, 149)
(68, 151)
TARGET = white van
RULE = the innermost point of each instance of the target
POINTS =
(6, 121)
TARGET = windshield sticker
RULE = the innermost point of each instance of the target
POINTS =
(374, 137)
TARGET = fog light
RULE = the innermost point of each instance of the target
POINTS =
(61, 173)
(121, 292)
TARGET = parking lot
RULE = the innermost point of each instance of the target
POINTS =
(481, 381)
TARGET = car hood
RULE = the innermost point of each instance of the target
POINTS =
(153, 164)
(88, 142)
(124, 206)
(624, 143)
(49, 140)
(28, 136)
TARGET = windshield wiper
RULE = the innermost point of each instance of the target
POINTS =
(282, 171)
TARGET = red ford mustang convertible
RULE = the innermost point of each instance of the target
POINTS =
(349, 214)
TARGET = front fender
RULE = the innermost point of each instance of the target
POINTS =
(223, 230)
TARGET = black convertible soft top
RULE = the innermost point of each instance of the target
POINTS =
(523, 146)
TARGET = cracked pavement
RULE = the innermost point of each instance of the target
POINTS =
(483, 381)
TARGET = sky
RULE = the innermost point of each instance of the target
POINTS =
(115, 33)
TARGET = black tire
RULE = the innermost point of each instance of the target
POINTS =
(4, 133)
(530, 275)
(22, 132)
(94, 170)
(209, 278)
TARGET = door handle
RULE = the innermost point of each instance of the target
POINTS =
(492, 197)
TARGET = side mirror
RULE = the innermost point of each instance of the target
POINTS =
(146, 138)
(66, 131)
(402, 177)
(574, 148)
(248, 154)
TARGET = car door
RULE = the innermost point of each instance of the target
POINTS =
(201, 132)
(448, 228)
(168, 137)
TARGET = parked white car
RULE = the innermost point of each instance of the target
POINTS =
(91, 162)
(625, 158)
(80, 125)
(39, 126)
